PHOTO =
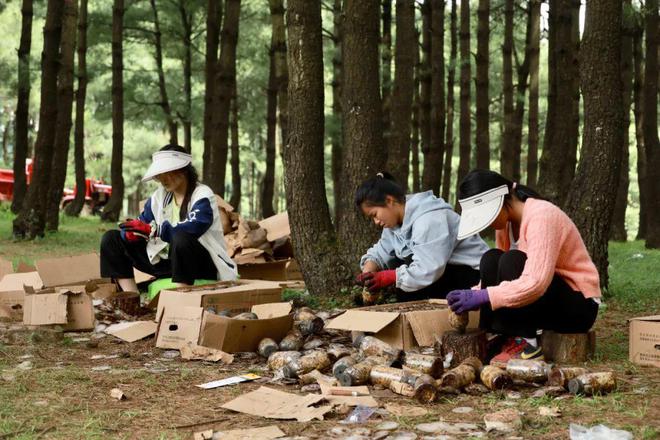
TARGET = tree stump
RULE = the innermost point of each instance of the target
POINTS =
(463, 345)
(568, 348)
(127, 302)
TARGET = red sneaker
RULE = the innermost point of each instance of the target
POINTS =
(511, 349)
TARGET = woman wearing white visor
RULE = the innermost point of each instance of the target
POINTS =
(178, 233)
(539, 277)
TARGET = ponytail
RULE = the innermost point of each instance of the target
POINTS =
(478, 181)
(374, 191)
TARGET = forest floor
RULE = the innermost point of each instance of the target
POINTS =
(49, 389)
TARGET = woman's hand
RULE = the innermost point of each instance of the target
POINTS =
(461, 301)
(370, 266)
(135, 230)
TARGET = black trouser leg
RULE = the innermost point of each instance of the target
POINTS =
(118, 257)
(455, 277)
(560, 308)
(190, 261)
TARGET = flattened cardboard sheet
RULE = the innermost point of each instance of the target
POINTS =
(132, 331)
(16, 281)
(276, 226)
(69, 270)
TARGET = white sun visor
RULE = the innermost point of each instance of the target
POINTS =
(480, 210)
(164, 161)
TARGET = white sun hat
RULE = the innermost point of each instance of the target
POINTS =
(164, 161)
(480, 210)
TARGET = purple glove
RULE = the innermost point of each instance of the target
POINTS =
(461, 301)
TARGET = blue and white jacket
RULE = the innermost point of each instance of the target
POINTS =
(203, 222)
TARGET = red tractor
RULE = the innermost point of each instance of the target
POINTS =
(96, 192)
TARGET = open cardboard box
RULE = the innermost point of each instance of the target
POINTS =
(235, 296)
(70, 307)
(401, 329)
(12, 295)
(644, 344)
(180, 325)
(279, 270)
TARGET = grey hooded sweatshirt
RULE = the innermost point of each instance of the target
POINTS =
(424, 244)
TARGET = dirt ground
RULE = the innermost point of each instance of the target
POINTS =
(50, 389)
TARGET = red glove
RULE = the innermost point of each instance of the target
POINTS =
(132, 237)
(362, 278)
(135, 230)
(380, 280)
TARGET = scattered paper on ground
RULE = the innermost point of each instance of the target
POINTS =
(274, 404)
(228, 381)
(118, 394)
(361, 397)
(264, 433)
(192, 351)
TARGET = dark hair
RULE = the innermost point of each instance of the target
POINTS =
(191, 176)
(375, 190)
(478, 181)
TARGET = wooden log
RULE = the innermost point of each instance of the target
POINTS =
(464, 345)
(568, 348)
(127, 302)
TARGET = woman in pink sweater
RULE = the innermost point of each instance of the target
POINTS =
(540, 277)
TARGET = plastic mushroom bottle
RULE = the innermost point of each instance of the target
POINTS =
(458, 322)
(316, 360)
(293, 341)
(279, 359)
(593, 383)
(495, 378)
(462, 375)
(560, 376)
(528, 370)
(266, 347)
(424, 363)
(372, 346)
(358, 374)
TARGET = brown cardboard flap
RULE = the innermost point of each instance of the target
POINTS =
(241, 335)
(644, 340)
(141, 277)
(132, 331)
(276, 226)
(45, 309)
(80, 311)
(425, 323)
(12, 304)
(16, 281)
(5, 268)
(69, 270)
(652, 318)
(222, 204)
(363, 321)
(179, 326)
(272, 310)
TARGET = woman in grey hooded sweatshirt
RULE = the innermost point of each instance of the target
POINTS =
(418, 251)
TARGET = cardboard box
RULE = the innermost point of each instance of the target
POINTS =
(644, 348)
(281, 270)
(12, 295)
(68, 306)
(276, 226)
(236, 296)
(401, 329)
(62, 271)
(181, 325)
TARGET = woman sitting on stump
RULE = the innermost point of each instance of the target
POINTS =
(178, 233)
(418, 251)
(540, 277)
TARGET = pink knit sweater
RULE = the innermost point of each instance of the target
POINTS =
(553, 245)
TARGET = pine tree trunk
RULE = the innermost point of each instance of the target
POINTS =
(312, 236)
(618, 231)
(506, 145)
(112, 209)
(213, 19)
(432, 177)
(481, 83)
(425, 83)
(465, 120)
(74, 208)
(650, 127)
(335, 127)
(235, 153)
(402, 96)
(533, 115)
(361, 121)
(225, 72)
(557, 165)
(5, 139)
(22, 107)
(281, 70)
(271, 129)
(186, 24)
(449, 138)
(592, 194)
(386, 67)
(164, 99)
(638, 104)
(31, 219)
(414, 144)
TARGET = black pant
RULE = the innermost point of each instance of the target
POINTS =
(560, 308)
(188, 260)
(455, 277)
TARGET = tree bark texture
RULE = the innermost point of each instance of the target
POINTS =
(281, 70)
(22, 107)
(638, 104)
(650, 127)
(31, 219)
(557, 166)
(313, 236)
(449, 134)
(271, 134)
(432, 177)
(213, 19)
(425, 83)
(414, 143)
(186, 25)
(592, 194)
(533, 115)
(164, 99)
(386, 67)
(335, 133)
(361, 121)
(78, 202)
(225, 74)
(402, 94)
(235, 153)
(112, 209)
(618, 231)
(506, 146)
(481, 83)
(465, 121)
